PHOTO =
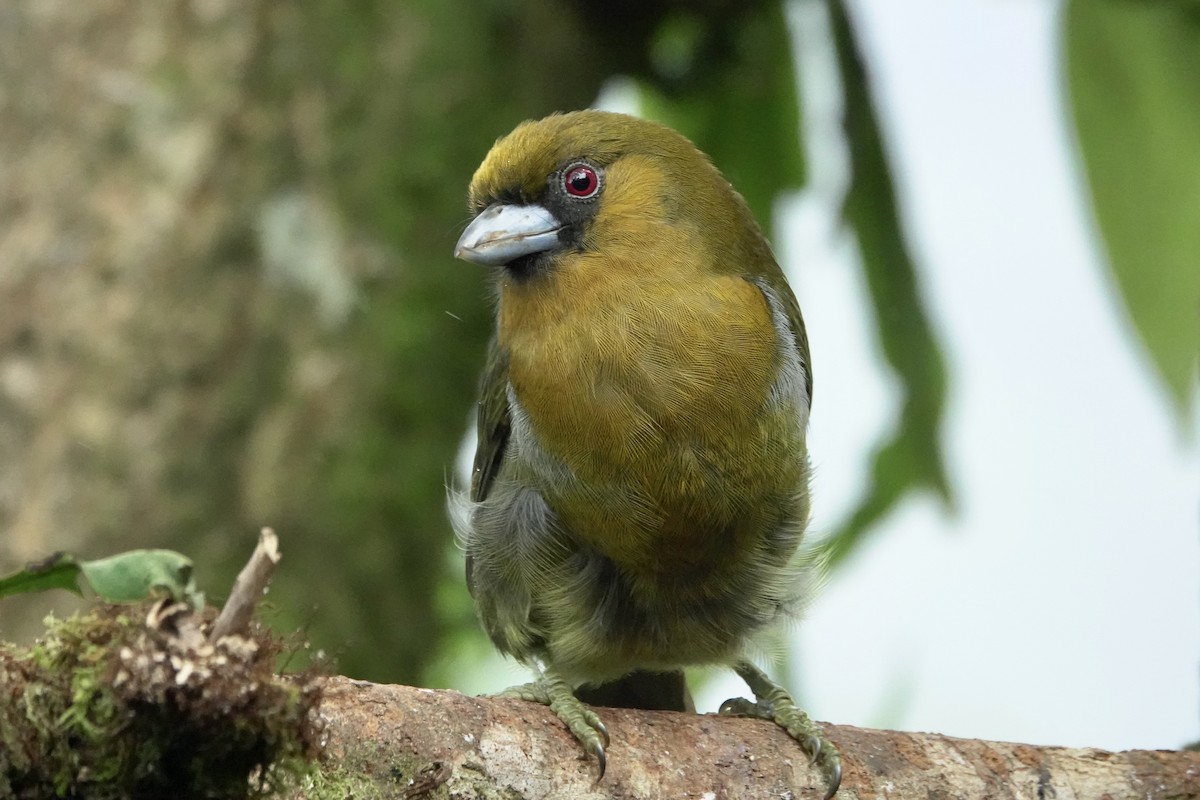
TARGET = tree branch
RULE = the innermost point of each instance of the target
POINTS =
(416, 740)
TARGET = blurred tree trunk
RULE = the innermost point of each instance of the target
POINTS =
(226, 291)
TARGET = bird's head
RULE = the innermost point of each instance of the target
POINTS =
(596, 182)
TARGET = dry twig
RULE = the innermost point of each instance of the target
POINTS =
(249, 587)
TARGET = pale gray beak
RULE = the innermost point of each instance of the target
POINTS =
(504, 233)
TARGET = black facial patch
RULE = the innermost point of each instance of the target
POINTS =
(575, 213)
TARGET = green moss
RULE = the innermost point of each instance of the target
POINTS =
(374, 772)
(136, 702)
(349, 779)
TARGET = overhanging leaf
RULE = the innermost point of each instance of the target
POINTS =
(1133, 72)
(911, 459)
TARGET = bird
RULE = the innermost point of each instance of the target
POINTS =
(640, 486)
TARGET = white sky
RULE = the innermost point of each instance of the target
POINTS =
(1062, 604)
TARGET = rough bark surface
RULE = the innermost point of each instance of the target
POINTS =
(421, 742)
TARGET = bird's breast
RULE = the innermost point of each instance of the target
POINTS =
(645, 414)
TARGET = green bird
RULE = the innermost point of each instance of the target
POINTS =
(640, 487)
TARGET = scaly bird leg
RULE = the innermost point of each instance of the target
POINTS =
(775, 704)
(551, 690)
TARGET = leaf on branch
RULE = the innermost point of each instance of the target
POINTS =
(136, 574)
(122, 578)
(59, 571)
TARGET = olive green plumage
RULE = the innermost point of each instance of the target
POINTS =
(640, 487)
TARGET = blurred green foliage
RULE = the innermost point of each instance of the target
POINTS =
(1133, 75)
(733, 92)
(911, 457)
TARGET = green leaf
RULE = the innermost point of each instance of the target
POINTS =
(732, 91)
(911, 459)
(59, 571)
(133, 575)
(122, 578)
(1133, 72)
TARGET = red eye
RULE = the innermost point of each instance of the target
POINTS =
(580, 180)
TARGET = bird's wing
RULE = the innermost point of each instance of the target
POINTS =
(493, 423)
(776, 284)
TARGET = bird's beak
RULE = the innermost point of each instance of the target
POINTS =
(504, 233)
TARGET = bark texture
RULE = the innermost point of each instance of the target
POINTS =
(419, 742)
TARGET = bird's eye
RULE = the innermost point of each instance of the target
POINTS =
(581, 180)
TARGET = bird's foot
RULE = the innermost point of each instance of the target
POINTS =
(551, 690)
(772, 702)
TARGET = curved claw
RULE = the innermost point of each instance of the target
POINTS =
(600, 728)
(596, 749)
(776, 704)
(835, 780)
(584, 723)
